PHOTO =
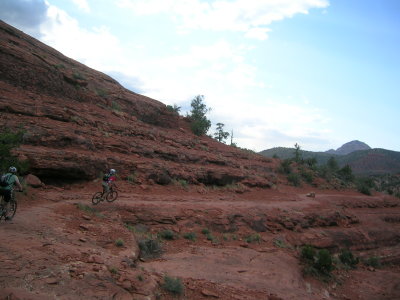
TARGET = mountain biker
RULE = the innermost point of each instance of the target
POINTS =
(108, 180)
(12, 179)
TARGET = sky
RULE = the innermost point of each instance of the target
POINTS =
(319, 73)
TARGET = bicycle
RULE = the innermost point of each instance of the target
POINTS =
(111, 196)
(9, 213)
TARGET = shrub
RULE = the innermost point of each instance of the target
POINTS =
(294, 179)
(131, 178)
(173, 285)
(149, 248)
(9, 141)
(190, 236)
(115, 106)
(324, 262)
(308, 176)
(285, 167)
(167, 235)
(347, 258)
(373, 261)
(205, 231)
(119, 243)
(253, 238)
(308, 252)
(174, 109)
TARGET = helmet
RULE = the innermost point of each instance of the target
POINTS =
(112, 171)
(12, 170)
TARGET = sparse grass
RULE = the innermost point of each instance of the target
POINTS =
(167, 235)
(281, 244)
(88, 209)
(173, 285)
(190, 236)
(59, 66)
(255, 237)
(140, 278)
(100, 92)
(113, 270)
(119, 243)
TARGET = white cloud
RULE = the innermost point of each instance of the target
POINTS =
(219, 70)
(82, 4)
(248, 16)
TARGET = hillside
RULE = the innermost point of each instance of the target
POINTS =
(79, 122)
(362, 162)
(194, 218)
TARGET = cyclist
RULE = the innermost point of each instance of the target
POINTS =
(108, 180)
(11, 179)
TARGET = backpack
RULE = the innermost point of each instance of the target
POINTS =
(4, 180)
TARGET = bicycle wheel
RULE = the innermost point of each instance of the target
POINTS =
(96, 198)
(12, 209)
(112, 196)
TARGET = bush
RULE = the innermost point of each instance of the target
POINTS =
(149, 248)
(308, 252)
(285, 167)
(294, 179)
(167, 235)
(308, 176)
(347, 258)
(253, 238)
(119, 243)
(173, 285)
(9, 141)
(324, 262)
(190, 236)
(205, 231)
(374, 262)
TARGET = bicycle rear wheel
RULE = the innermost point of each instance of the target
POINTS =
(97, 197)
(12, 209)
(112, 196)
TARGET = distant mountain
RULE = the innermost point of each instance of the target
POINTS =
(349, 148)
(365, 161)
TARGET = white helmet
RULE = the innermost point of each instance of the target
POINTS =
(12, 170)
(112, 171)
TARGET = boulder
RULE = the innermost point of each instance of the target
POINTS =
(33, 181)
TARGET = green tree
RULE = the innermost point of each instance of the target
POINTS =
(346, 173)
(220, 135)
(199, 122)
(297, 153)
(332, 164)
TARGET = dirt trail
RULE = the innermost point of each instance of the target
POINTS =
(57, 247)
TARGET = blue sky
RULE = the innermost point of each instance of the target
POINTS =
(277, 72)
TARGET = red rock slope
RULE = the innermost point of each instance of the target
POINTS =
(79, 121)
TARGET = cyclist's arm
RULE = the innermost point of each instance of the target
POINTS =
(17, 183)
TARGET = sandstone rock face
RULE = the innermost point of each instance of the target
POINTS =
(78, 122)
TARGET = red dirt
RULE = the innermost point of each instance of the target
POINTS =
(58, 251)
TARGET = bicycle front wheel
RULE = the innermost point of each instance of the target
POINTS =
(112, 196)
(96, 198)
